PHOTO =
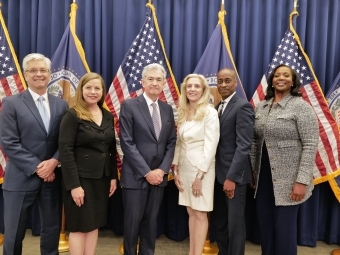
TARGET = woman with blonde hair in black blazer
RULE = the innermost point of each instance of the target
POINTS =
(87, 150)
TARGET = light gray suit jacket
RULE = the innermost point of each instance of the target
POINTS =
(290, 131)
(25, 141)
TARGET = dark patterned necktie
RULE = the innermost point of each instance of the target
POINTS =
(220, 109)
(155, 120)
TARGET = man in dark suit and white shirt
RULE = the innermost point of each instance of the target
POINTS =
(29, 134)
(233, 169)
(147, 138)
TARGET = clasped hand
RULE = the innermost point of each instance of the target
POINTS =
(45, 170)
(155, 177)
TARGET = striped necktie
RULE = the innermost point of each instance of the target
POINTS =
(220, 109)
(155, 120)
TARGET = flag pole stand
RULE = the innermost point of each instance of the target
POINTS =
(121, 248)
(63, 242)
(208, 247)
(1, 239)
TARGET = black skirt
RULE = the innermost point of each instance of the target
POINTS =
(93, 213)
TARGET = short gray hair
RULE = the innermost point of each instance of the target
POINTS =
(35, 56)
(153, 66)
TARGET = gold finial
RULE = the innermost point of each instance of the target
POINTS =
(295, 4)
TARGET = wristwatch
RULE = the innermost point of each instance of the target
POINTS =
(200, 176)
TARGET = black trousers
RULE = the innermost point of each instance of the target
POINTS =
(277, 224)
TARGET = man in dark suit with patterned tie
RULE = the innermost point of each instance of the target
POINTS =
(29, 134)
(233, 169)
(148, 146)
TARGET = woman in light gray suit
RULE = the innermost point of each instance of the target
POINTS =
(194, 161)
(283, 155)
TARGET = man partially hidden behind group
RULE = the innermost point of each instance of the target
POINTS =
(233, 168)
(147, 138)
(29, 134)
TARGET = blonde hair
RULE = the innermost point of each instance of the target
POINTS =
(202, 103)
(80, 106)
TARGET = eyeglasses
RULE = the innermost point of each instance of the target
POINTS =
(35, 71)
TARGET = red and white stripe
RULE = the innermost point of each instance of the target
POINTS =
(9, 86)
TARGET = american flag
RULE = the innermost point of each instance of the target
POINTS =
(290, 53)
(147, 48)
(11, 79)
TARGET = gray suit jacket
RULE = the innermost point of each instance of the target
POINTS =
(236, 134)
(25, 141)
(142, 151)
(291, 133)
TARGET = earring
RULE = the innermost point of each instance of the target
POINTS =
(292, 85)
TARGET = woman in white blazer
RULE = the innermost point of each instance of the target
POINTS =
(194, 161)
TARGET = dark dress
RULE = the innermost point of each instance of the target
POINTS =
(88, 159)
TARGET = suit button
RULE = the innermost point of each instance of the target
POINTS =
(102, 132)
(103, 143)
(86, 156)
(103, 155)
(87, 127)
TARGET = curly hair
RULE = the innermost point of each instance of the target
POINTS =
(294, 90)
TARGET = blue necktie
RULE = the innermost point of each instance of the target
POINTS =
(155, 120)
(43, 113)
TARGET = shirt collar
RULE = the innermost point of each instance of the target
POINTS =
(36, 96)
(226, 101)
(149, 101)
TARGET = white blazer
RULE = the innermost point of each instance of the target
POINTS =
(197, 141)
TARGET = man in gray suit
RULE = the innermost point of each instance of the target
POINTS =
(29, 134)
(233, 169)
(147, 138)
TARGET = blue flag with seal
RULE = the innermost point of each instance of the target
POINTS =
(333, 98)
(68, 63)
(216, 56)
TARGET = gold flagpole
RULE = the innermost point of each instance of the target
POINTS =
(211, 249)
(1, 235)
(63, 240)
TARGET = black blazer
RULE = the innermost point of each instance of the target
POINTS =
(86, 149)
(236, 136)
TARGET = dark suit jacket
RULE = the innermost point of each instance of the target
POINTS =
(86, 149)
(25, 141)
(236, 135)
(142, 151)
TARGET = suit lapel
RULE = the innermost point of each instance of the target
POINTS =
(228, 108)
(28, 100)
(53, 109)
(144, 109)
(164, 117)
